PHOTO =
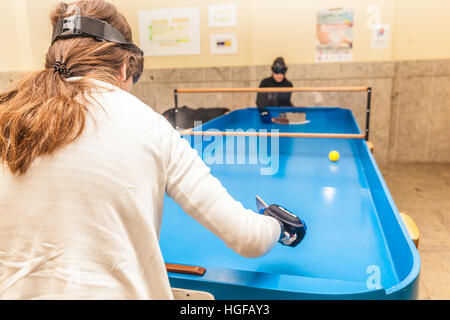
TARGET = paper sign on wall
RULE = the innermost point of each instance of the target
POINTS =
(224, 43)
(224, 15)
(168, 32)
(380, 37)
(334, 31)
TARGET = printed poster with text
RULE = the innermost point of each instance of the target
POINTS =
(169, 32)
(334, 35)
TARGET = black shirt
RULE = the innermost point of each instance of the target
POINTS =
(274, 99)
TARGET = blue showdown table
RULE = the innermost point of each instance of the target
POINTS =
(356, 246)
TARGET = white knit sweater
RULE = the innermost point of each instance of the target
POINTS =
(84, 223)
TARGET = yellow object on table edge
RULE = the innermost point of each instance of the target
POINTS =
(412, 228)
(370, 146)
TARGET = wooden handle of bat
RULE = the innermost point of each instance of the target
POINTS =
(182, 268)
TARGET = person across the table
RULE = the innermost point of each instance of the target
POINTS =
(274, 99)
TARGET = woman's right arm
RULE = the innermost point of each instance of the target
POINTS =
(190, 183)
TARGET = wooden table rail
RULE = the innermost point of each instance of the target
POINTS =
(289, 89)
(274, 134)
(286, 89)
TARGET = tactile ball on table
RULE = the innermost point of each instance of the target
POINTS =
(334, 155)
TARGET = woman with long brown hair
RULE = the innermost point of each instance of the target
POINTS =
(85, 166)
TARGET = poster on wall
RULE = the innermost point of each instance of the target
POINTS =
(334, 33)
(224, 43)
(380, 37)
(169, 32)
(224, 15)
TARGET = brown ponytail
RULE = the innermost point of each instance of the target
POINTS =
(44, 112)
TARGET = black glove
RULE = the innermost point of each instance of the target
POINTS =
(265, 116)
(293, 229)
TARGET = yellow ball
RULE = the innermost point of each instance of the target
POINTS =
(333, 155)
